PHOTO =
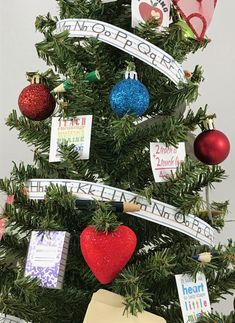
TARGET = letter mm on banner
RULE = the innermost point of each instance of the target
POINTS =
(126, 41)
(155, 211)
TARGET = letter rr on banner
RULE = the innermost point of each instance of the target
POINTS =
(126, 41)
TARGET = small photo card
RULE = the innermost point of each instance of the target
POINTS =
(165, 160)
(193, 296)
(75, 131)
(143, 10)
(47, 256)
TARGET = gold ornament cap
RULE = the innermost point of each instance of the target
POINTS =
(36, 79)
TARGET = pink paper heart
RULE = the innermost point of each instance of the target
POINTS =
(197, 13)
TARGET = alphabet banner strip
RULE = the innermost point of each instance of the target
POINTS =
(155, 211)
(126, 41)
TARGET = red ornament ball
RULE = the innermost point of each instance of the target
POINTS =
(36, 102)
(211, 147)
(107, 253)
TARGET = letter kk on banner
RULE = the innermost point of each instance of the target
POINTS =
(155, 211)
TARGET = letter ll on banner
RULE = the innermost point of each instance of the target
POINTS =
(153, 210)
(144, 10)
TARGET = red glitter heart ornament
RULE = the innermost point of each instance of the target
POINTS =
(197, 13)
(107, 253)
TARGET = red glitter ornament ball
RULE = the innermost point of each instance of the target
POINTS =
(211, 147)
(107, 253)
(36, 102)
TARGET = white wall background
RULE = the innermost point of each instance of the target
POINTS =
(18, 55)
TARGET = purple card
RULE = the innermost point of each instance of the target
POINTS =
(47, 255)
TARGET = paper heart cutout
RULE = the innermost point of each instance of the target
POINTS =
(197, 13)
(107, 254)
(147, 12)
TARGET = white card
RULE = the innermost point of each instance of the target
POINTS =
(143, 10)
(107, 1)
(10, 319)
(75, 131)
(165, 160)
(193, 296)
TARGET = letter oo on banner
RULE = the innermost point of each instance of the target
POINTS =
(154, 211)
(126, 41)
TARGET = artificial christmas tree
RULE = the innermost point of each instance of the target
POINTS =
(172, 226)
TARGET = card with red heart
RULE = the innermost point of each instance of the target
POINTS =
(143, 10)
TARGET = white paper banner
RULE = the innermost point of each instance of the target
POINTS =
(193, 295)
(143, 10)
(165, 160)
(156, 211)
(126, 41)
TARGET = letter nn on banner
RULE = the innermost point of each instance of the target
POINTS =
(154, 211)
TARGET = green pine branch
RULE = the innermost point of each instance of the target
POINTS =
(182, 189)
(218, 318)
(31, 132)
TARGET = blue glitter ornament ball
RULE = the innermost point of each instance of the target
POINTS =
(129, 96)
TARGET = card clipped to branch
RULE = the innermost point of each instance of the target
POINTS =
(76, 131)
(193, 296)
(47, 256)
(144, 10)
(165, 160)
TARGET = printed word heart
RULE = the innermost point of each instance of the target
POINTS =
(147, 12)
(107, 253)
(197, 13)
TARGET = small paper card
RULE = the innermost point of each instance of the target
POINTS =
(107, 1)
(143, 10)
(193, 295)
(165, 160)
(5, 318)
(75, 131)
(47, 255)
(2, 228)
